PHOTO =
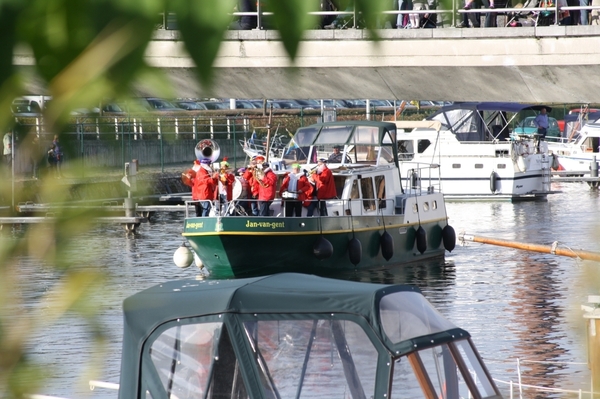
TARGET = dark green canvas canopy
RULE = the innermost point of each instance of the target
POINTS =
(416, 324)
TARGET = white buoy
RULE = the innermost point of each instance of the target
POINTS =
(183, 256)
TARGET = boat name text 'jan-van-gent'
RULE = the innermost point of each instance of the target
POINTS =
(272, 225)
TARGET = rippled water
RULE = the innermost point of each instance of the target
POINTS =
(515, 304)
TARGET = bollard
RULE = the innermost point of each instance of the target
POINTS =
(594, 168)
(593, 333)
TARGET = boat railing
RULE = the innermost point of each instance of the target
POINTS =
(336, 207)
(422, 177)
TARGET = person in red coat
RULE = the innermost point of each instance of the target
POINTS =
(204, 185)
(325, 185)
(267, 187)
(293, 191)
(226, 180)
(253, 185)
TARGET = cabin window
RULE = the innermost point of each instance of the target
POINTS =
(366, 187)
(478, 166)
(354, 194)
(183, 357)
(425, 206)
(456, 166)
(406, 150)
(501, 166)
(366, 135)
(428, 373)
(434, 205)
(422, 145)
(317, 357)
(340, 182)
(380, 185)
(334, 135)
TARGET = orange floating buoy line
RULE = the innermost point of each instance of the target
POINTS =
(548, 249)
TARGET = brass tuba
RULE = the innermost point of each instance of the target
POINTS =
(207, 149)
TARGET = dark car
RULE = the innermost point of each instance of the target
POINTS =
(215, 104)
(161, 105)
(189, 105)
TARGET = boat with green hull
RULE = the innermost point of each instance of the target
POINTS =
(373, 222)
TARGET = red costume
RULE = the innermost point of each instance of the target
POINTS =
(252, 183)
(227, 179)
(325, 184)
(302, 187)
(267, 186)
(204, 184)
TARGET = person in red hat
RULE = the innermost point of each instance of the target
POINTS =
(267, 186)
(253, 185)
(294, 190)
(226, 180)
(204, 187)
(325, 185)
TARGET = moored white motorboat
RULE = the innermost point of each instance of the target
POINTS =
(578, 151)
(478, 157)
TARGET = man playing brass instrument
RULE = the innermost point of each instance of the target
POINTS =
(267, 182)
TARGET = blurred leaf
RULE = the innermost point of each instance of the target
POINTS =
(202, 24)
(292, 18)
(370, 11)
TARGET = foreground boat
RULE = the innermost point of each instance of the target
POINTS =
(294, 336)
(374, 221)
(478, 156)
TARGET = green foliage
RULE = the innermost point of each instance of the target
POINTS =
(85, 51)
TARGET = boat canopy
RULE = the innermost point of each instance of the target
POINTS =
(482, 121)
(249, 325)
(358, 141)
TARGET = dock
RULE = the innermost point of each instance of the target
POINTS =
(583, 176)
(130, 223)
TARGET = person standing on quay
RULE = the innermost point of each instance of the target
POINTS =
(7, 142)
(59, 156)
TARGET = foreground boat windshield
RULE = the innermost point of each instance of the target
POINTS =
(404, 349)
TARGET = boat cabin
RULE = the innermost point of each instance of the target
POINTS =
(294, 336)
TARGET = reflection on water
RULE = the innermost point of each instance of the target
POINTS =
(515, 304)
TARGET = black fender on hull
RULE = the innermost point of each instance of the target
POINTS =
(421, 239)
(494, 182)
(354, 250)
(387, 245)
(449, 238)
(322, 248)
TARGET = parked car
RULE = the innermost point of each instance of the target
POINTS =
(162, 105)
(310, 104)
(190, 105)
(25, 107)
(526, 126)
(332, 103)
(214, 104)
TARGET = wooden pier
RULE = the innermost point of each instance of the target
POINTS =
(583, 176)
(131, 220)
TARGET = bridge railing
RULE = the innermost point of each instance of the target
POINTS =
(354, 19)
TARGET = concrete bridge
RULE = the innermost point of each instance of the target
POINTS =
(548, 64)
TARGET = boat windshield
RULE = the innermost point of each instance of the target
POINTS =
(405, 315)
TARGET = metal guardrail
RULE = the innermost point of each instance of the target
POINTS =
(455, 11)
